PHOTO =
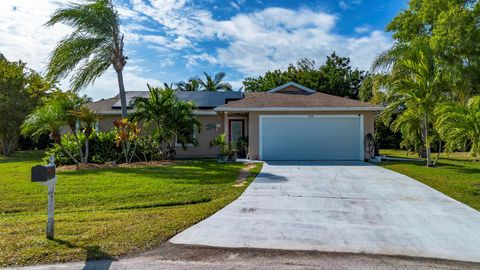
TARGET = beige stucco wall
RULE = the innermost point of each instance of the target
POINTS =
(204, 138)
(253, 126)
(105, 123)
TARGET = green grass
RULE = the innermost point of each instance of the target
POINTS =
(455, 175)
(105, 213)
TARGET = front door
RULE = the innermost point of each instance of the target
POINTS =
(236, 130)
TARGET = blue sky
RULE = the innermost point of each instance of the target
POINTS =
(173, 40)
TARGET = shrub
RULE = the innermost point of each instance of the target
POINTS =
(103, 148)
(61, 158)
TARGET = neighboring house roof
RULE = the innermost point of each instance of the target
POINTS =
(287, 101)
(203, 100)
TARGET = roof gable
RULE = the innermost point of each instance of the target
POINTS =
(291, 87)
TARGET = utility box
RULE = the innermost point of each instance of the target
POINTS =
(43, 173)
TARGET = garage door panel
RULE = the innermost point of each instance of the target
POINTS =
(310, 138)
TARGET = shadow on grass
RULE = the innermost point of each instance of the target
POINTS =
(459, 168)
(96, 257)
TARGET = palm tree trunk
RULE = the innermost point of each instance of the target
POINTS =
(86, 149)
(123, 98)
(438, 154)
(427, 145)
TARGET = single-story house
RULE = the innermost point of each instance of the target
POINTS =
(289, 122)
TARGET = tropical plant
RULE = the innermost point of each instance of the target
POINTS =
(49, 118)
(459, 126)
(191, 85)
(21, 90)
(226, 150)
(414, 87)
(214, 84)
(127, 134)
(94, 45)
(87, 120)
(172, 119)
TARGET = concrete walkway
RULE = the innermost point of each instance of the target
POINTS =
(342, 207)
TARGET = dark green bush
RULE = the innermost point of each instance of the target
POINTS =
(61, 158)
(103, 149)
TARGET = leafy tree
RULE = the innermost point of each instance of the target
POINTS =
(459, 126)
(450, 29)
(191, 85)
(21, 90)
(214, 84)
(94, 45)
(172, 119)
(335, 77)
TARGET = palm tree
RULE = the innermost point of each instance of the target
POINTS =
(414, 87)
(459, 126)
(191, 85)
(172, 119)
(214, 84)
(49, 118)
(94, 45)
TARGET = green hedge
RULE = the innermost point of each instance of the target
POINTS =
(102, 149)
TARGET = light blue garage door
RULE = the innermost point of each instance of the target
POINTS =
(311, 137)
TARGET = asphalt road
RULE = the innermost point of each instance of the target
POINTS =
(170, 256)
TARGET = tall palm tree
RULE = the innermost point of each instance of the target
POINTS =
(414, 87)
(191, 85)
(94, 45)
(459, 126)
(214, 84)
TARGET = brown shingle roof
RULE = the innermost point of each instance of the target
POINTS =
(294, 100)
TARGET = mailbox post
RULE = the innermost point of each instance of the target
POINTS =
(45, 175)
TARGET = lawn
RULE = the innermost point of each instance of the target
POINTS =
(105, 213)
(455, 175)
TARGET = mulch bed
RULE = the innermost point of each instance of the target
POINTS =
(92, 166)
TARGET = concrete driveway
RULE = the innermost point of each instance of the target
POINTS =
(342, 207)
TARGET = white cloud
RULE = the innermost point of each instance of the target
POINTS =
(363, 29)
(271, 39)
(195, 59)
(263, 40)
(23, 34)
(346, 4)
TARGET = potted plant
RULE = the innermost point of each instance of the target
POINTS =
(226, 152)
(242, 146)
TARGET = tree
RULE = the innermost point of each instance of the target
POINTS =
(450, 29)
(126, 134)
(459, 126)
(191, 85)
(172, 119)
(94, 45)
(49, 118)
(21, 90)
(414, 87)
(214, 84)
(335, 77)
